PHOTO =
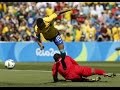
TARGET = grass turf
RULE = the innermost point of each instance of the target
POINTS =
(39, 75)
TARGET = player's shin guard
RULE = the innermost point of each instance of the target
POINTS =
(63, 54)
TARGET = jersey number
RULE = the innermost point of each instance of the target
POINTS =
(58, 38)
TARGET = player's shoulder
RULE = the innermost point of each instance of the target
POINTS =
(68, 56)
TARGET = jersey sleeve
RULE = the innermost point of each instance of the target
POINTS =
(50, 18)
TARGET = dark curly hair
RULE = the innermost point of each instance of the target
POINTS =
(39, 22)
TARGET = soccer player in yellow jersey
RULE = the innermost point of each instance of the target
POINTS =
(46, 27)
(115, 32)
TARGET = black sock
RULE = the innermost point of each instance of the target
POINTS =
(63, 54)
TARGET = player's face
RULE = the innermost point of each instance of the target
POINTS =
(42, 26)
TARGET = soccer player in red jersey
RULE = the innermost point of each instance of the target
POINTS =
(74, 71)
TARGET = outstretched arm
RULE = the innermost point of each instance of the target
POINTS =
(63, 11)
(55, 72)
(38, 38)
(39, 41)
(54, 15)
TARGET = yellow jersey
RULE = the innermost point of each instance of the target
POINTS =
(78, 35)
(49, 31)
(5, 30)
(68, 38)
(90, 33)
(115, 33)
(49, 11)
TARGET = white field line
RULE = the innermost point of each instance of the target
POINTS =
(118, 74)
(25, 70)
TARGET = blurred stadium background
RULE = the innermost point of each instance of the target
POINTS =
(91, 32)
(89, 21)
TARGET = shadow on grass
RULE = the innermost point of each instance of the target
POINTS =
(74, 81)
(45, 84)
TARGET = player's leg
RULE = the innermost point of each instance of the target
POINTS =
(96, 71)
(109, 74)
(59, 43)
(95, 79)
(86, 79)
(102, 72)
(86, 71)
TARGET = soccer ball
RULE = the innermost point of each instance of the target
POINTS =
(9, 64)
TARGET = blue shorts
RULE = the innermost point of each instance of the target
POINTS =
(57, 40)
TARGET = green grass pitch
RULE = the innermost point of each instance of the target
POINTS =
(40, 75)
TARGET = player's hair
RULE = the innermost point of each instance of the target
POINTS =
(39, 22)
(56, 56)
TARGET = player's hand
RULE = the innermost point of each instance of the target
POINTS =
(42, 47)
(56, 81)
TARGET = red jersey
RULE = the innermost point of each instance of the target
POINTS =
(73, 70)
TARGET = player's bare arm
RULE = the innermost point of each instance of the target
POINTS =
(38, 40)
(63, 11)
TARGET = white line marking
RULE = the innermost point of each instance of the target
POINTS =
(25, 70)
(118, 74)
